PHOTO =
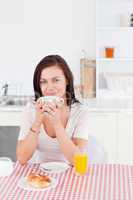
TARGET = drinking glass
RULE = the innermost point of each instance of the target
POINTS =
(81, 162)
(109, 52)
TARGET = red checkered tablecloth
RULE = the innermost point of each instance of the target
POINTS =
(102, 182)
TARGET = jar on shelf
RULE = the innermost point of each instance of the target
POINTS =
(109, 52)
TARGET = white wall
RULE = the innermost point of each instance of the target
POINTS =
(33, 29)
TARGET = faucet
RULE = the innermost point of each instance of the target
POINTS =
(5, 88)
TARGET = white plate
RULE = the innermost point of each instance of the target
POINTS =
(54, 167)
(22, 183)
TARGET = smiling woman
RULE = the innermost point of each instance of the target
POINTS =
(50, 131)
(53, 75)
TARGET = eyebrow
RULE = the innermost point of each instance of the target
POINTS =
(51, 78)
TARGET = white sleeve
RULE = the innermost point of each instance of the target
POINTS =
(81, 129)
(27, 118)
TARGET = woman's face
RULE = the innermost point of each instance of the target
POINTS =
(53, 82)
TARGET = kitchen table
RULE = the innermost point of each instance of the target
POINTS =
(102, 182)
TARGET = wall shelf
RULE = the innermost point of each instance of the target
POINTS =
(114, 59)
(113, 30)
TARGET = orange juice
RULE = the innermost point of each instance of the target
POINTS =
(81, 163)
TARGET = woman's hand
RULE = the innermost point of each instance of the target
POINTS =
(40, 107)
(52, 112)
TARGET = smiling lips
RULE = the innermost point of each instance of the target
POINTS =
(50, 94)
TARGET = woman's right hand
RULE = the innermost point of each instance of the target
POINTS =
(39, 106)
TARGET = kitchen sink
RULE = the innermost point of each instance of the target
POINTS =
(14, 100)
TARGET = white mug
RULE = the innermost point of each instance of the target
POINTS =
(6, 166)
(50, 99)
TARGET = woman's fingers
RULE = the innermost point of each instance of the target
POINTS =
(39, 107)
(49, 110)
(40, 103)
(52, 106)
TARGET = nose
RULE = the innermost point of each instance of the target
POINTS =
(50, 87)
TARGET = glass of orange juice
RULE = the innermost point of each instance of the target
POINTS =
(81, 162)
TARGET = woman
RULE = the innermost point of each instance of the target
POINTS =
(49, 131)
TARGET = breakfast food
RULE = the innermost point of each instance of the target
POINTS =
(38, 181)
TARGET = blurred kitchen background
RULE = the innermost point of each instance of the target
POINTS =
(95, 38)
(31, 30)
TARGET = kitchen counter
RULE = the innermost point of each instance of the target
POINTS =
(10, 115)
(109, 104)
(11, 108)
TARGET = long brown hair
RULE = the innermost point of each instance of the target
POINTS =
(49, 61)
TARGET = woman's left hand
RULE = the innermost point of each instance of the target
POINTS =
(52, 111)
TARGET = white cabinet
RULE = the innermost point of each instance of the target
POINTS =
(114, 130)
(125, 138)
(10, 118)
(103, 127)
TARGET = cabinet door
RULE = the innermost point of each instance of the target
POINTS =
(10, 118)
(8, 141)
(103, 128)
(125, 138)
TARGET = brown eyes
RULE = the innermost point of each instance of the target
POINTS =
(43, 82)
(54, 81)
